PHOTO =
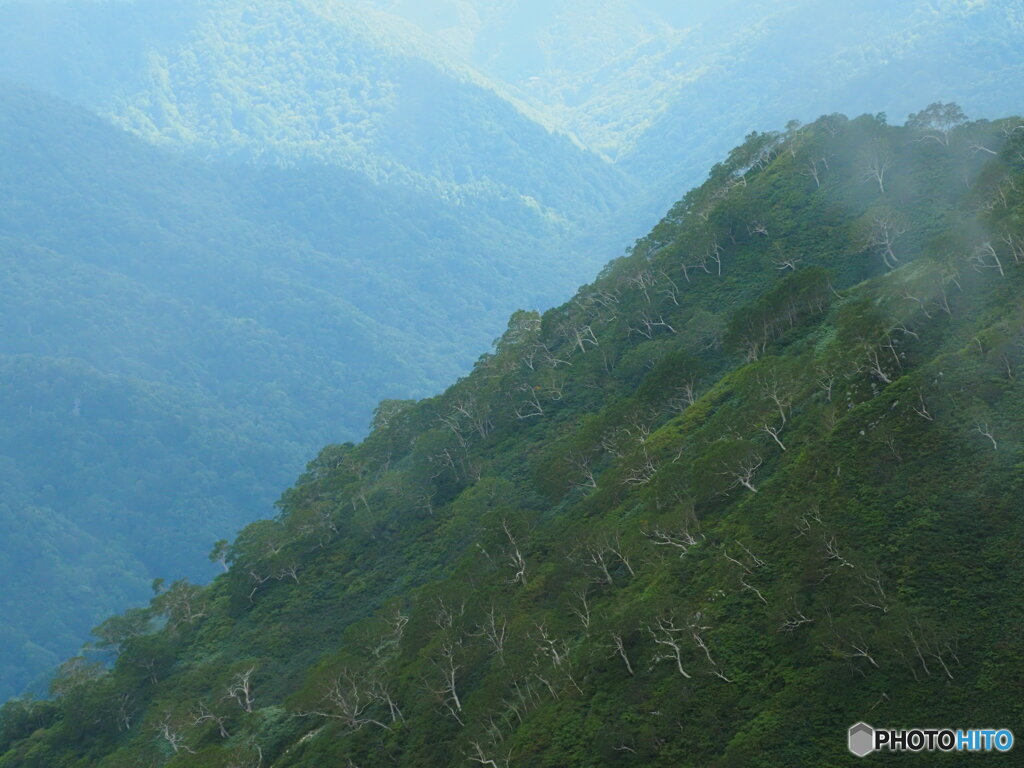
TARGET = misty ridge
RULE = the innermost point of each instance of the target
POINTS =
(771, 447)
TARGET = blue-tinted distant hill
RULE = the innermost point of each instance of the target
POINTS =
(294, 82)
(178, 337)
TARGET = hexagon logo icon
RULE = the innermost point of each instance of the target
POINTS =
(861, 739)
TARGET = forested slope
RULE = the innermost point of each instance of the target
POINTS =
(759, 481)
(177, 338)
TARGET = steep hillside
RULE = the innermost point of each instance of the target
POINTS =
(178, 338)
(759, 481)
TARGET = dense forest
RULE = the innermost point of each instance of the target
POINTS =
(758, 481)
(179, 337)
